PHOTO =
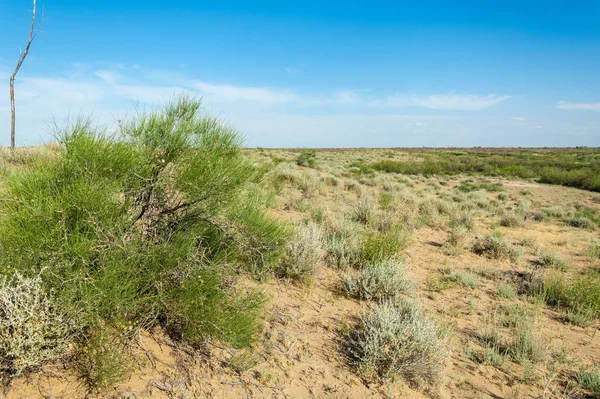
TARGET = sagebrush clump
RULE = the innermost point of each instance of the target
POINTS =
(379, 281)
(34, 328)
(305, 254)
(496, 247)
(397, 339)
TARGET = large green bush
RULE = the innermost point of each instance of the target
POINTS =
(143, 228)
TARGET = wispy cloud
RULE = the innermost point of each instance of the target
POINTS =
(109, 77)
(451, 101)
(578, 106)
(263, 95)
(285, 116)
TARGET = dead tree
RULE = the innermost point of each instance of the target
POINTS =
(32, 33)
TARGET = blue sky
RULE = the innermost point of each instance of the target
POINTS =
(317, 73)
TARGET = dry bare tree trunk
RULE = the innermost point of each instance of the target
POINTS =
(32, 33)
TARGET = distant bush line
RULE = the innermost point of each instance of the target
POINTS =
(578, 168)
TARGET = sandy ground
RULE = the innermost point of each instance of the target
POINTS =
(300, 354)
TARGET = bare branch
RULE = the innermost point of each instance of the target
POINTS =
(33, 30)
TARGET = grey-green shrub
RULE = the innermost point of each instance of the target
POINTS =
(380, 281)
(457, 239)
(554, 211)
(464, 278)
(34, 329)
(551, 259)
(593, 251)
(363, 212)
(512, 219)
(304, 255)
(398, 339)
(343, 240)
(507, 291)
(496, 247)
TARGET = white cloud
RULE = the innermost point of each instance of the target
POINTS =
(230, 93)
(272, 116)
(457, 102)
(108, 77)
(155, 95)
(578, 106)
(66, 92)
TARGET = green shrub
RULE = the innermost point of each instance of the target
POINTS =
(581, 222)
(466, 187)
(383, 245)
(128, 232)
(384, 280)
(200, 306)
(496, 247)
(550, 259)
(507, 291)
(102, 361)
(396, 338)
(593, 251)
(574, 168)
(590, 380)
(581, 295)
(385, 199)
(307, 158)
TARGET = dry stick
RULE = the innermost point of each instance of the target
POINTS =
(32, 33)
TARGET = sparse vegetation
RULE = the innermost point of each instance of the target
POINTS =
(575, 168)
(194, 277)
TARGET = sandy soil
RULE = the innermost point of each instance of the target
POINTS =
(300, 355)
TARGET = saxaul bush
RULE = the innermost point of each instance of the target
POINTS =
(142, 228)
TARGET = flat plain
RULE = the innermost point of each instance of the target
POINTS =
(502, 267)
